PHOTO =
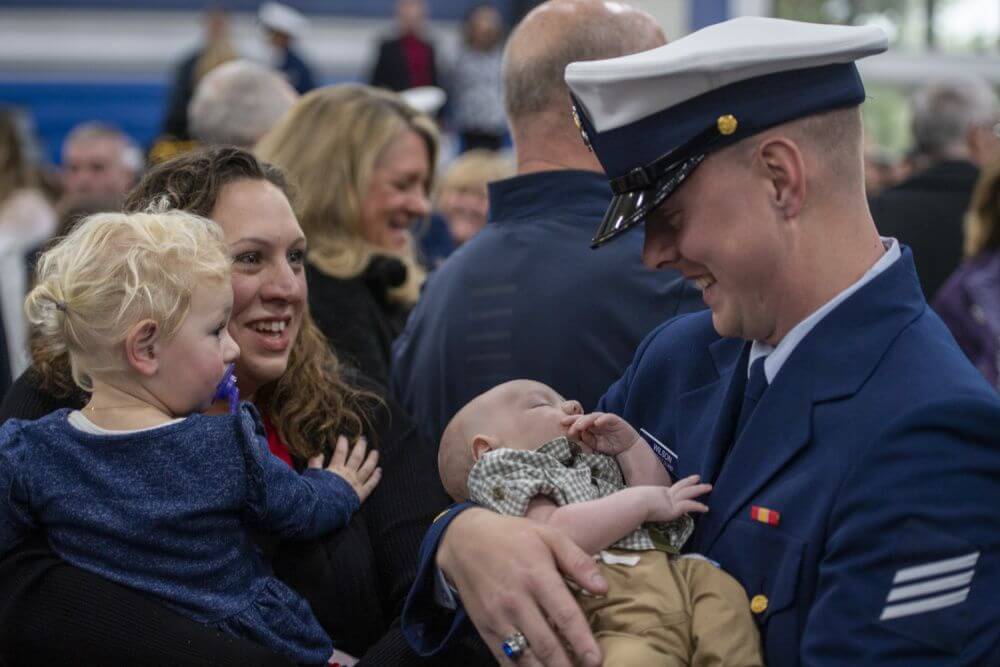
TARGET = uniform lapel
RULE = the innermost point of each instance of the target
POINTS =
(778, 429)
(707, 415)
(831, 362)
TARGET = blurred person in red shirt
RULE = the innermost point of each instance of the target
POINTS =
(406, 60)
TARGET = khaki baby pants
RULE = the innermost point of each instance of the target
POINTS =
(672, 612)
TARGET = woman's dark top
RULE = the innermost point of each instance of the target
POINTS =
(969, 303)
(357, 316)
(27, 400)
(355, 580)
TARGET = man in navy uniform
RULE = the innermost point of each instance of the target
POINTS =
(526, 298)
(853, 450)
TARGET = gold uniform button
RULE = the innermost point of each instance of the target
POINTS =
(727, 124)
(758, 604)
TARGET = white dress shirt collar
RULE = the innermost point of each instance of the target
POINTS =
(778, 354)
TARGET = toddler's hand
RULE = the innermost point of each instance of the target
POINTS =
(667, 503)
(358, 470)
(602, 432)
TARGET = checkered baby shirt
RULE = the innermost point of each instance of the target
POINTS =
(505, 481)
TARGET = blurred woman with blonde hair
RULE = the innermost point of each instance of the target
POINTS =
(462, 197)
(361, 161)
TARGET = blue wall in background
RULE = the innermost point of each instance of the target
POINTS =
(707, 12)
(136, 107)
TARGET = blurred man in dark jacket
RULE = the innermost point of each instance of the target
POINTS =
(954, 128)
(527, 297)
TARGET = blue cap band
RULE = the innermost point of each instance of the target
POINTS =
(757, 104)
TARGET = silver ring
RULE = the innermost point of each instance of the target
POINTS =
(515, 645)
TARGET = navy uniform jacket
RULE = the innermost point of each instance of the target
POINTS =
(527, 298)
(877, 444)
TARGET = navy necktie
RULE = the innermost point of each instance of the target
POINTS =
(756, 384)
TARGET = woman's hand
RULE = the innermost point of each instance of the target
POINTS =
(602, 432)
(509, 575)
(356, 469)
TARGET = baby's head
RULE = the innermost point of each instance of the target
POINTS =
(520, 414)
(128, 297)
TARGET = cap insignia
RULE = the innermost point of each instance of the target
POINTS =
(726, 124)
(583, 132)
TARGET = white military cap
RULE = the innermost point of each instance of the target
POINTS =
(652, 117)
(282, 18)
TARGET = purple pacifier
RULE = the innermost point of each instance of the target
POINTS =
(228, 390)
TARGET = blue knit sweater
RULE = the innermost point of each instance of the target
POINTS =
(167, 512)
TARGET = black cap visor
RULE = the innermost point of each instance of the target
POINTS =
(630, 208)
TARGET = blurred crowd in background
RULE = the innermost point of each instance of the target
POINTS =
(940, 195)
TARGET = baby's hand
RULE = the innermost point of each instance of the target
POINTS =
(667, 503)
(602, 431)
(357, 469)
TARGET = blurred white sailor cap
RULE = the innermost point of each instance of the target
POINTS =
(425, 99)
(282, 18)
(651, 117)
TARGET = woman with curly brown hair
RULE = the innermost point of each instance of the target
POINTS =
(355, 581)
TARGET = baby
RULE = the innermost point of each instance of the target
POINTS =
(523, 450)
(139, 487)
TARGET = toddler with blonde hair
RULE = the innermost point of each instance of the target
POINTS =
(139, 486)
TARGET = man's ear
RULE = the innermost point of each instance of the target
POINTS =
(142, 347)
(784, 168)
(482, 444)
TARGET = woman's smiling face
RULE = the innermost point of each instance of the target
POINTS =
(397, 192)
(269, 283)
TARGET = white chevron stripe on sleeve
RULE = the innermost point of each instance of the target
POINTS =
(937, 567)
(930, 586)
(925, 605)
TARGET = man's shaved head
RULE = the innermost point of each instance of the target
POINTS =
(559, 32)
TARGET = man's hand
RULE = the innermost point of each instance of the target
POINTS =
(358, 470)
(603, 432)
(508, 572)
(667, 503)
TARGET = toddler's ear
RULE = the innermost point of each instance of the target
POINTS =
(482, 444)
(142, 349)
